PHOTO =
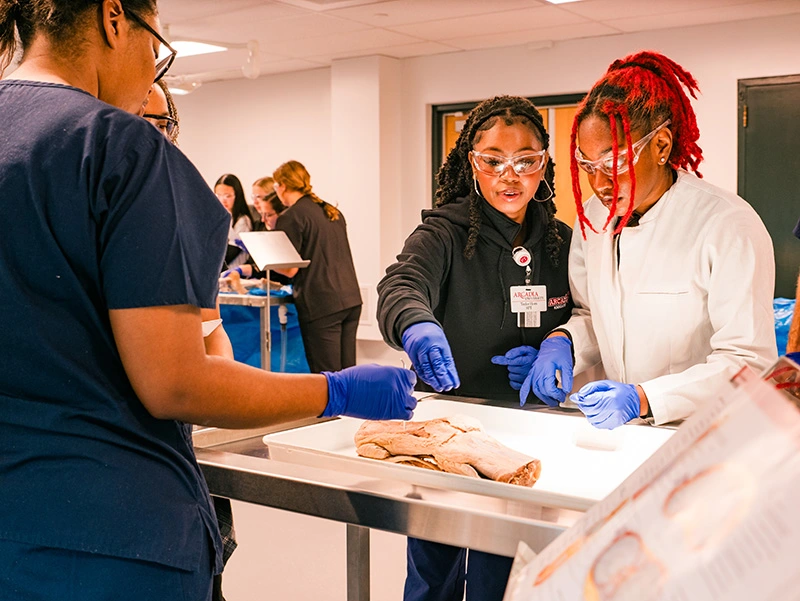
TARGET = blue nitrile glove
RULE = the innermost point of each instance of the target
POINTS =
(555, 353)
(430, 354)
(608, 404)
(518, 360)
(227, 272)
(371, 392)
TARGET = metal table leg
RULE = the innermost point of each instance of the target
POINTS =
(357, 563)
(266, 340)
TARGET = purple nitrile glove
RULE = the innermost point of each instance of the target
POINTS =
(371, 392)
(227, 272)
(429, 351)
(555, 354)
(518, 360)
(608, 404)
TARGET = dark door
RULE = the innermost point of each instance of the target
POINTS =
(769, 166)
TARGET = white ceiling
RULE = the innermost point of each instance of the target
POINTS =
(294, 35)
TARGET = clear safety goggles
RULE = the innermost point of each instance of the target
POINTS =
(164, 123)
(605, 164)
(524, 164)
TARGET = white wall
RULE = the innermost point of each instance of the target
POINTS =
(249, 127)
(716, 55)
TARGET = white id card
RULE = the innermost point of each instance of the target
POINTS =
(528, 302)
(528, 298)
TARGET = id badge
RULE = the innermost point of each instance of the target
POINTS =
(528, 302)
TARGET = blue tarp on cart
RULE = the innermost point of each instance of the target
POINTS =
(242, 326)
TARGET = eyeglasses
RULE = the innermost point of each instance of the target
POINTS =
(525, 164)
(164, 123)
(260, 197)
(165, 63)
(605, 164)
(226, 196)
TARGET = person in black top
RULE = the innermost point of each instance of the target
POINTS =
(326, 292)
(266, 203)
(269, 208)
(476, 288)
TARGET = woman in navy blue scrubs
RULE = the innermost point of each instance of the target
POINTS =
(102, 362)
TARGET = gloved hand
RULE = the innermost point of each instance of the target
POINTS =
(429, 351)
(555, 353)
(371, 392)
(608, 404)
(227, 272)
(518, 360)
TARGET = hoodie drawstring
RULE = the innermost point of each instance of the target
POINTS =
(506, 299)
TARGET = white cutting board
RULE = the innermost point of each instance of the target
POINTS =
(579, 462)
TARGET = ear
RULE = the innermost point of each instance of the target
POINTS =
(472, 165)
(662, 146)
(112, 15)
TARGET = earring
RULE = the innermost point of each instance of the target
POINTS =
(475, 183)
(546, 183)
(662, 160)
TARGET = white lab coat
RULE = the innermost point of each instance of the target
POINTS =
(690, 303)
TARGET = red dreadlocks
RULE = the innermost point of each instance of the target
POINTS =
(638, 93)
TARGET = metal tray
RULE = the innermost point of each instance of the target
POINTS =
(580, 464)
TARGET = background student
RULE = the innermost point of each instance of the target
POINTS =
(326, 292)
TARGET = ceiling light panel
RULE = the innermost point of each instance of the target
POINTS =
(190, 48)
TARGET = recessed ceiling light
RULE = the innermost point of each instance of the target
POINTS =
(187, 48)
(561, 1)
(180, 86)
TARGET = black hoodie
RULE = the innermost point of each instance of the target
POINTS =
(469, 298)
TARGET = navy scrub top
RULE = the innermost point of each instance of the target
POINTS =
(98, 211)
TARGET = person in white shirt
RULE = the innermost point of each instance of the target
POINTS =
(672, 277)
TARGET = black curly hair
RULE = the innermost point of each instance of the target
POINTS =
(454, 179)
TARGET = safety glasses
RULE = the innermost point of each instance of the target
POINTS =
(165, 123)
(605, 164)
(524, 164)
(165, 63)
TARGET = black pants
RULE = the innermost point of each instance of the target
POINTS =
(437, 572)
(330, 341)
